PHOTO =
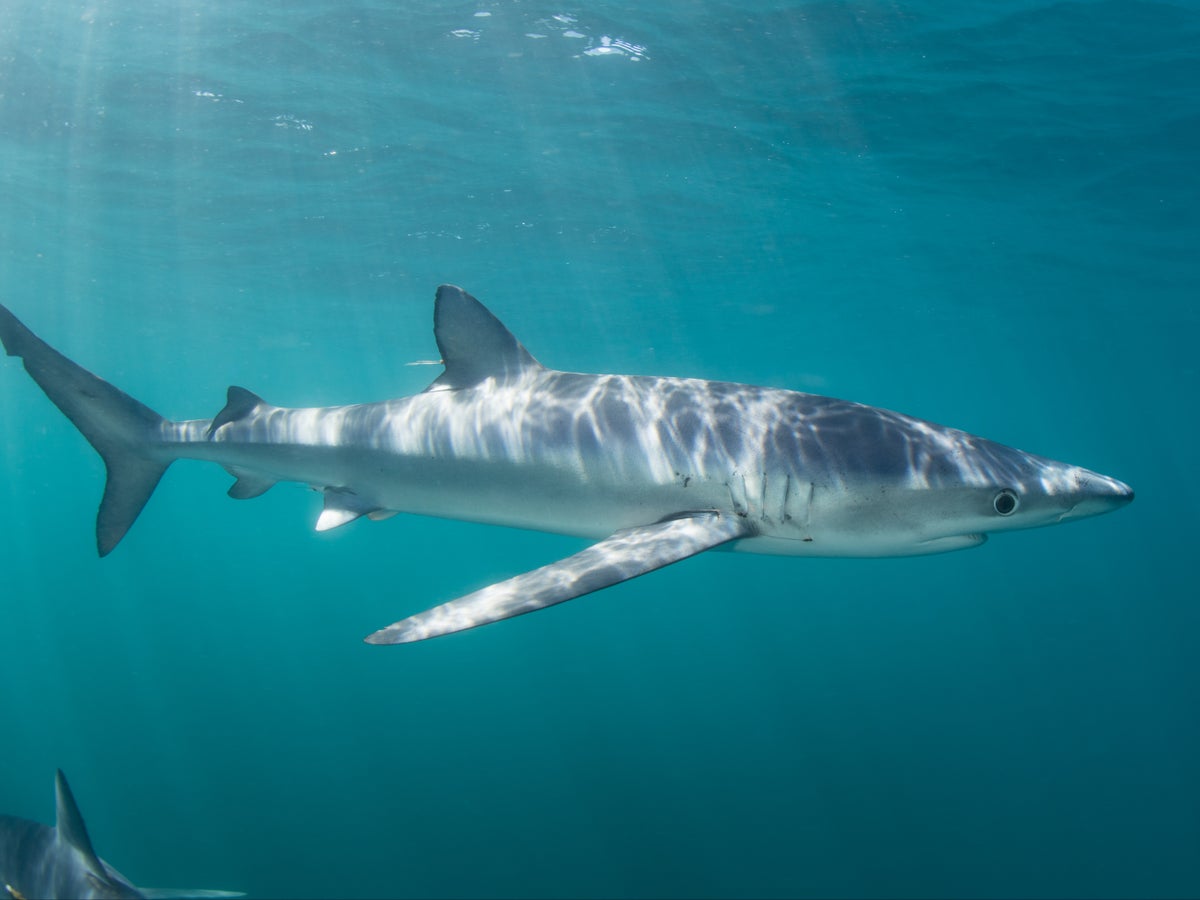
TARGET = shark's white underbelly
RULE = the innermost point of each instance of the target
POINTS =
(555, 498)
(789, 516)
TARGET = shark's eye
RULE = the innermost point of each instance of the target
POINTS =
(1006, 502)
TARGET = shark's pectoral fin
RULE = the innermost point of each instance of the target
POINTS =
(626, 554)
(342, 506)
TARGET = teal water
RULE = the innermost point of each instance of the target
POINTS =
(985, 214)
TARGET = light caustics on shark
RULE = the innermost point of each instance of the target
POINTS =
(658, 469)
(40, 862)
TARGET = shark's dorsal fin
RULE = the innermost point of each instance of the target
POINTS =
(70, 827)
(475, 345)
(239, 403)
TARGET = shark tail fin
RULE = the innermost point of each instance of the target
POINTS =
(119, 427)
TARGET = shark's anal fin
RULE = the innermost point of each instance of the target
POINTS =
(626, 554)
(247, 487)
(249, 484)
(241, 404)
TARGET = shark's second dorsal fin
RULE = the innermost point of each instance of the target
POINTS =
(239, 403)
(70, 827)
(475, 345)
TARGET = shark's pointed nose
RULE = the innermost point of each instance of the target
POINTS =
(1099, 494)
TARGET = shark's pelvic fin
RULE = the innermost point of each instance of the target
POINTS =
(475, 345)
(119, 427)
(71, 829)
(341, 507)
(626, 554)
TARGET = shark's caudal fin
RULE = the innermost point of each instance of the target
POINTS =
(626, 554)
(118, 426)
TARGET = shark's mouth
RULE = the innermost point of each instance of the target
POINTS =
(952, 542)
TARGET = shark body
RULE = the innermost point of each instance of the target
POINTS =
(40, 862)
(655, 468)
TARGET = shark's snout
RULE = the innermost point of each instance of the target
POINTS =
(1098, 494)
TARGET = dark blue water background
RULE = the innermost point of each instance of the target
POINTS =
(981, 213)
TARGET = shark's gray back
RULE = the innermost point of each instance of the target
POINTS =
(35, 864)
(623, 427)
(23, 843)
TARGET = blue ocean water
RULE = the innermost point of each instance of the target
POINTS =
(984, 214)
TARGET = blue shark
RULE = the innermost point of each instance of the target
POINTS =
(38, 862)
(654, 469)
